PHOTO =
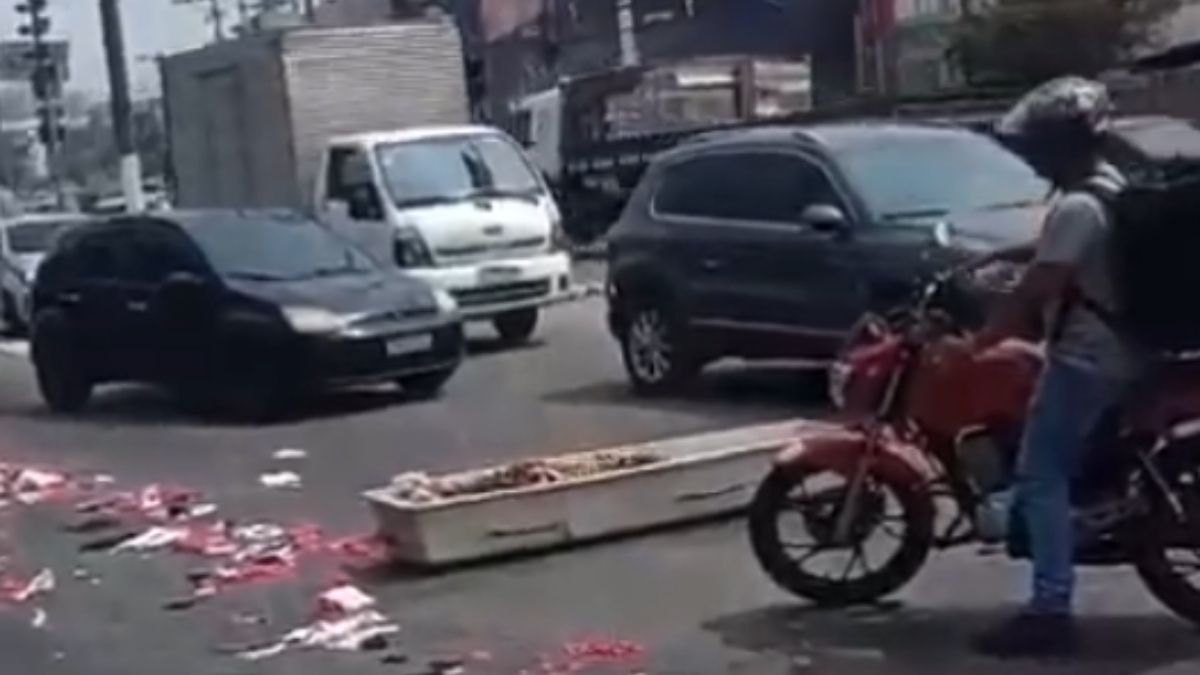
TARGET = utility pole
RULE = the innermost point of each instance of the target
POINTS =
(46, 80)
(627, 34)
(118, 82)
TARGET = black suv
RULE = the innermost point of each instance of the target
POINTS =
(772, 242)
(241, 309)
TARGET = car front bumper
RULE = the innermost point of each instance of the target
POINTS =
(486, 289)
(339, 361)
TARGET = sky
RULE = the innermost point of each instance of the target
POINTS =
(151, 27)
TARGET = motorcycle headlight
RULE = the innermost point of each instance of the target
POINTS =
(446, 303)
(312, 320)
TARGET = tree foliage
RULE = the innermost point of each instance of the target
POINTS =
(1029, 41)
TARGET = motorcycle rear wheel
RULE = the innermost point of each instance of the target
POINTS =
(776, 496)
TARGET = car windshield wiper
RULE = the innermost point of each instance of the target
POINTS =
(916, 213)
(252, 275)
(432, 200)
(1015, 204)
(335, 271)
(495, 193)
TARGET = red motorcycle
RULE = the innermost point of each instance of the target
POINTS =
(924, 451)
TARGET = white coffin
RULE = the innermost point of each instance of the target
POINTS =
(702, 476)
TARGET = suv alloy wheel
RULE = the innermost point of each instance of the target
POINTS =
(655, 351)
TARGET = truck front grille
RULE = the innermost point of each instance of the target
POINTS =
(514, 292)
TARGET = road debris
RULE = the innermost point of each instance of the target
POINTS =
(151, 539)
(579, 655)
(344, 599)
(29, 485)
(281, 480)
(358, 631)
(40, 584)
(446, 665)
(289, 453)
(39, 618)
(106, 542)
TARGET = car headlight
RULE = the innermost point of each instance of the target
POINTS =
(446, 303)
(312, 320)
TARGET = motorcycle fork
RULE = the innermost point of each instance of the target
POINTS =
(858, 479)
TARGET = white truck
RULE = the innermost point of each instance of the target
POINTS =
(366, 127)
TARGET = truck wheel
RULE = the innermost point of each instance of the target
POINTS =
(516, 327)
(654, 347)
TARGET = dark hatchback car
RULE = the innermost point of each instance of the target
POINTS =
(772, 242)
(239, 309)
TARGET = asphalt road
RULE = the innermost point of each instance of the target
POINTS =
(693, 599)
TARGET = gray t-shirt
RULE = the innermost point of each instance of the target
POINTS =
(1076, 233)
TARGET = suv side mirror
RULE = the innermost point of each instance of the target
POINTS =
(825, 218)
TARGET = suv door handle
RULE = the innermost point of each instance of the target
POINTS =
(69, 298)
(137, 305)
(712, 264)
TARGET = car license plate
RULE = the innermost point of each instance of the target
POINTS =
(409, 344)
(498, 274)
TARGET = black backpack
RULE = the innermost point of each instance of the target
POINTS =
(1155, 237)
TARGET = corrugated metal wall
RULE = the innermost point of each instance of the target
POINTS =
(362, 79)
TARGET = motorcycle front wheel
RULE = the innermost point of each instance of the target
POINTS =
(889, 536)
(1168, 546)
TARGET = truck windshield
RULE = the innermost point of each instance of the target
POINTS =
(454, 169)
(270, 247)
(939, 174)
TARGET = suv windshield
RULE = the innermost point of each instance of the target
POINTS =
(447, 170)
(929, 175)
(275, 247)
(35, 237)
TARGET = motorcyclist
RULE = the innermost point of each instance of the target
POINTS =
(1059, 128)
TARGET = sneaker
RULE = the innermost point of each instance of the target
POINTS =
(1029, 635)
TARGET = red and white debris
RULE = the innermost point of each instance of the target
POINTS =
(345, 622)
(344, 599)
(18, 591)
(579, 655)
(281, 480)
(154, 538)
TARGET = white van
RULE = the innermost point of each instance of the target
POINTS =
(460, 207)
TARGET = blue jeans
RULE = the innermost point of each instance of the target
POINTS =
(1069, 402)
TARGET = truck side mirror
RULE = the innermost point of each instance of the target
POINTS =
(364, 203)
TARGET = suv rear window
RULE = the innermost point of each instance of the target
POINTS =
(754, 186)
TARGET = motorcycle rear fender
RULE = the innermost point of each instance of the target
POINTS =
(843, 449)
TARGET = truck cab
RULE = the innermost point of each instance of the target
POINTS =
(460, 207)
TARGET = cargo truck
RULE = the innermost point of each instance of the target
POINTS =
(366, 128)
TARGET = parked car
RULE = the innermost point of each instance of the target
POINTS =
(24, 242)
(460, 207)
(772, 242)
(242, 309)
